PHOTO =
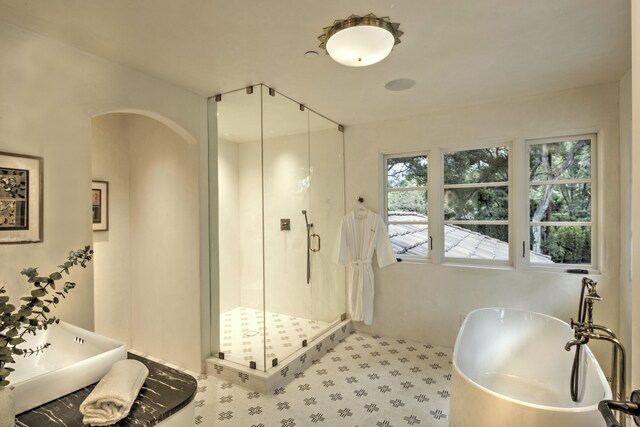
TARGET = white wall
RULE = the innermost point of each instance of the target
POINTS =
(50, 92)
(426, 301)
(635, 193)
(164, 242)
(112, 263)
(229, 226)
(146, 268)
(626, 308)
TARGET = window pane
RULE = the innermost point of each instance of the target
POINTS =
(561, 244)
(475, 166)
(565, 202)
(560, 160)
(480, 203)
(412, 205)
(409, 239)
(403, 172)
(477, 241)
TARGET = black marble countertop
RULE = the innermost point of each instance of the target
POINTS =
(165, 392)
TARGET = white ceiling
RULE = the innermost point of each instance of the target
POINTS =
(460, 52)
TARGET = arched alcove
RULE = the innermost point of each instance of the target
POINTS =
(171, 124)
(146, 266)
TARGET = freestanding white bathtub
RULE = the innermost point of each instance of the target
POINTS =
(75, 359)
(510, 369)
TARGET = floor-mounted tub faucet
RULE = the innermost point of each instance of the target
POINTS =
(584, 325)
(584, 330)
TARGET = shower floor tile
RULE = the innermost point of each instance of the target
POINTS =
(242, 335)
(365, 381)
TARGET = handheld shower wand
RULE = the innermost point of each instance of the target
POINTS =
(306, 220)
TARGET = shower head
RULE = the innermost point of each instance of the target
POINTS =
(306, 220)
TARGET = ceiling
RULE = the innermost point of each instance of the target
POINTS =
(460, 52)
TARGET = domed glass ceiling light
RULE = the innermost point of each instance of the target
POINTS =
(359, 41)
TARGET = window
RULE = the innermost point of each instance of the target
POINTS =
(476, 204)
(561, 189)
(407, 204)
(480, 196)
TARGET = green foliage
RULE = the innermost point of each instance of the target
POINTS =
(460, 167)
(568, 202)
(33, 314)
(477, 166)
(560, 160)
(568, 245)
(403, 172)
(408, 201)
(479, 203)
(561, 201)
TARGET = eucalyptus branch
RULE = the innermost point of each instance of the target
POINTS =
(33, 315)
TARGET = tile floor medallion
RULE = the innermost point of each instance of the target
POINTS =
(242, 335)
(364, 381)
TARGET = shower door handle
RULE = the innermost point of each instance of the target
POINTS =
(319, 242)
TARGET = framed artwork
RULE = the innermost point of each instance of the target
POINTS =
(100, 205)
(20, 198)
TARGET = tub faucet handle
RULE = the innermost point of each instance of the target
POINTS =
(578, 327)
(593, 294)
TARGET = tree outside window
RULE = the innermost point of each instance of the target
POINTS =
(476, 204)
(560, 199)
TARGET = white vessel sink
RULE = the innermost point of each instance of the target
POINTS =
(75, 359)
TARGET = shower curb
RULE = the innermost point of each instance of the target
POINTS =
(274, 379)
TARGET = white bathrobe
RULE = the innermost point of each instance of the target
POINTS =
(362, 232)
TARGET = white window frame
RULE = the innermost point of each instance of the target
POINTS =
(427, 188)
(509, 222)
(593, 180)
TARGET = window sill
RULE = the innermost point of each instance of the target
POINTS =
(503, 267)
(562, 269)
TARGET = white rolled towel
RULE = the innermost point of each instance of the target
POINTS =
(112, 398)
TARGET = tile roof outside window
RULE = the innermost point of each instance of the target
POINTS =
(408, 239)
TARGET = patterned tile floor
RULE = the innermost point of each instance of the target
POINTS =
(242, 335)
(364, 381)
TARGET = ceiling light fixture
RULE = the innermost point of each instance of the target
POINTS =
(359, 41)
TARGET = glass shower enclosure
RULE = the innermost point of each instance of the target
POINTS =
(280, 193)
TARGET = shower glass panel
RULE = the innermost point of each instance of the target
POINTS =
(286, 195)
(280, 286)
(242, 338)
(326, 171)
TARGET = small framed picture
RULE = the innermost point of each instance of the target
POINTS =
(100, 205)
(20, 198)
